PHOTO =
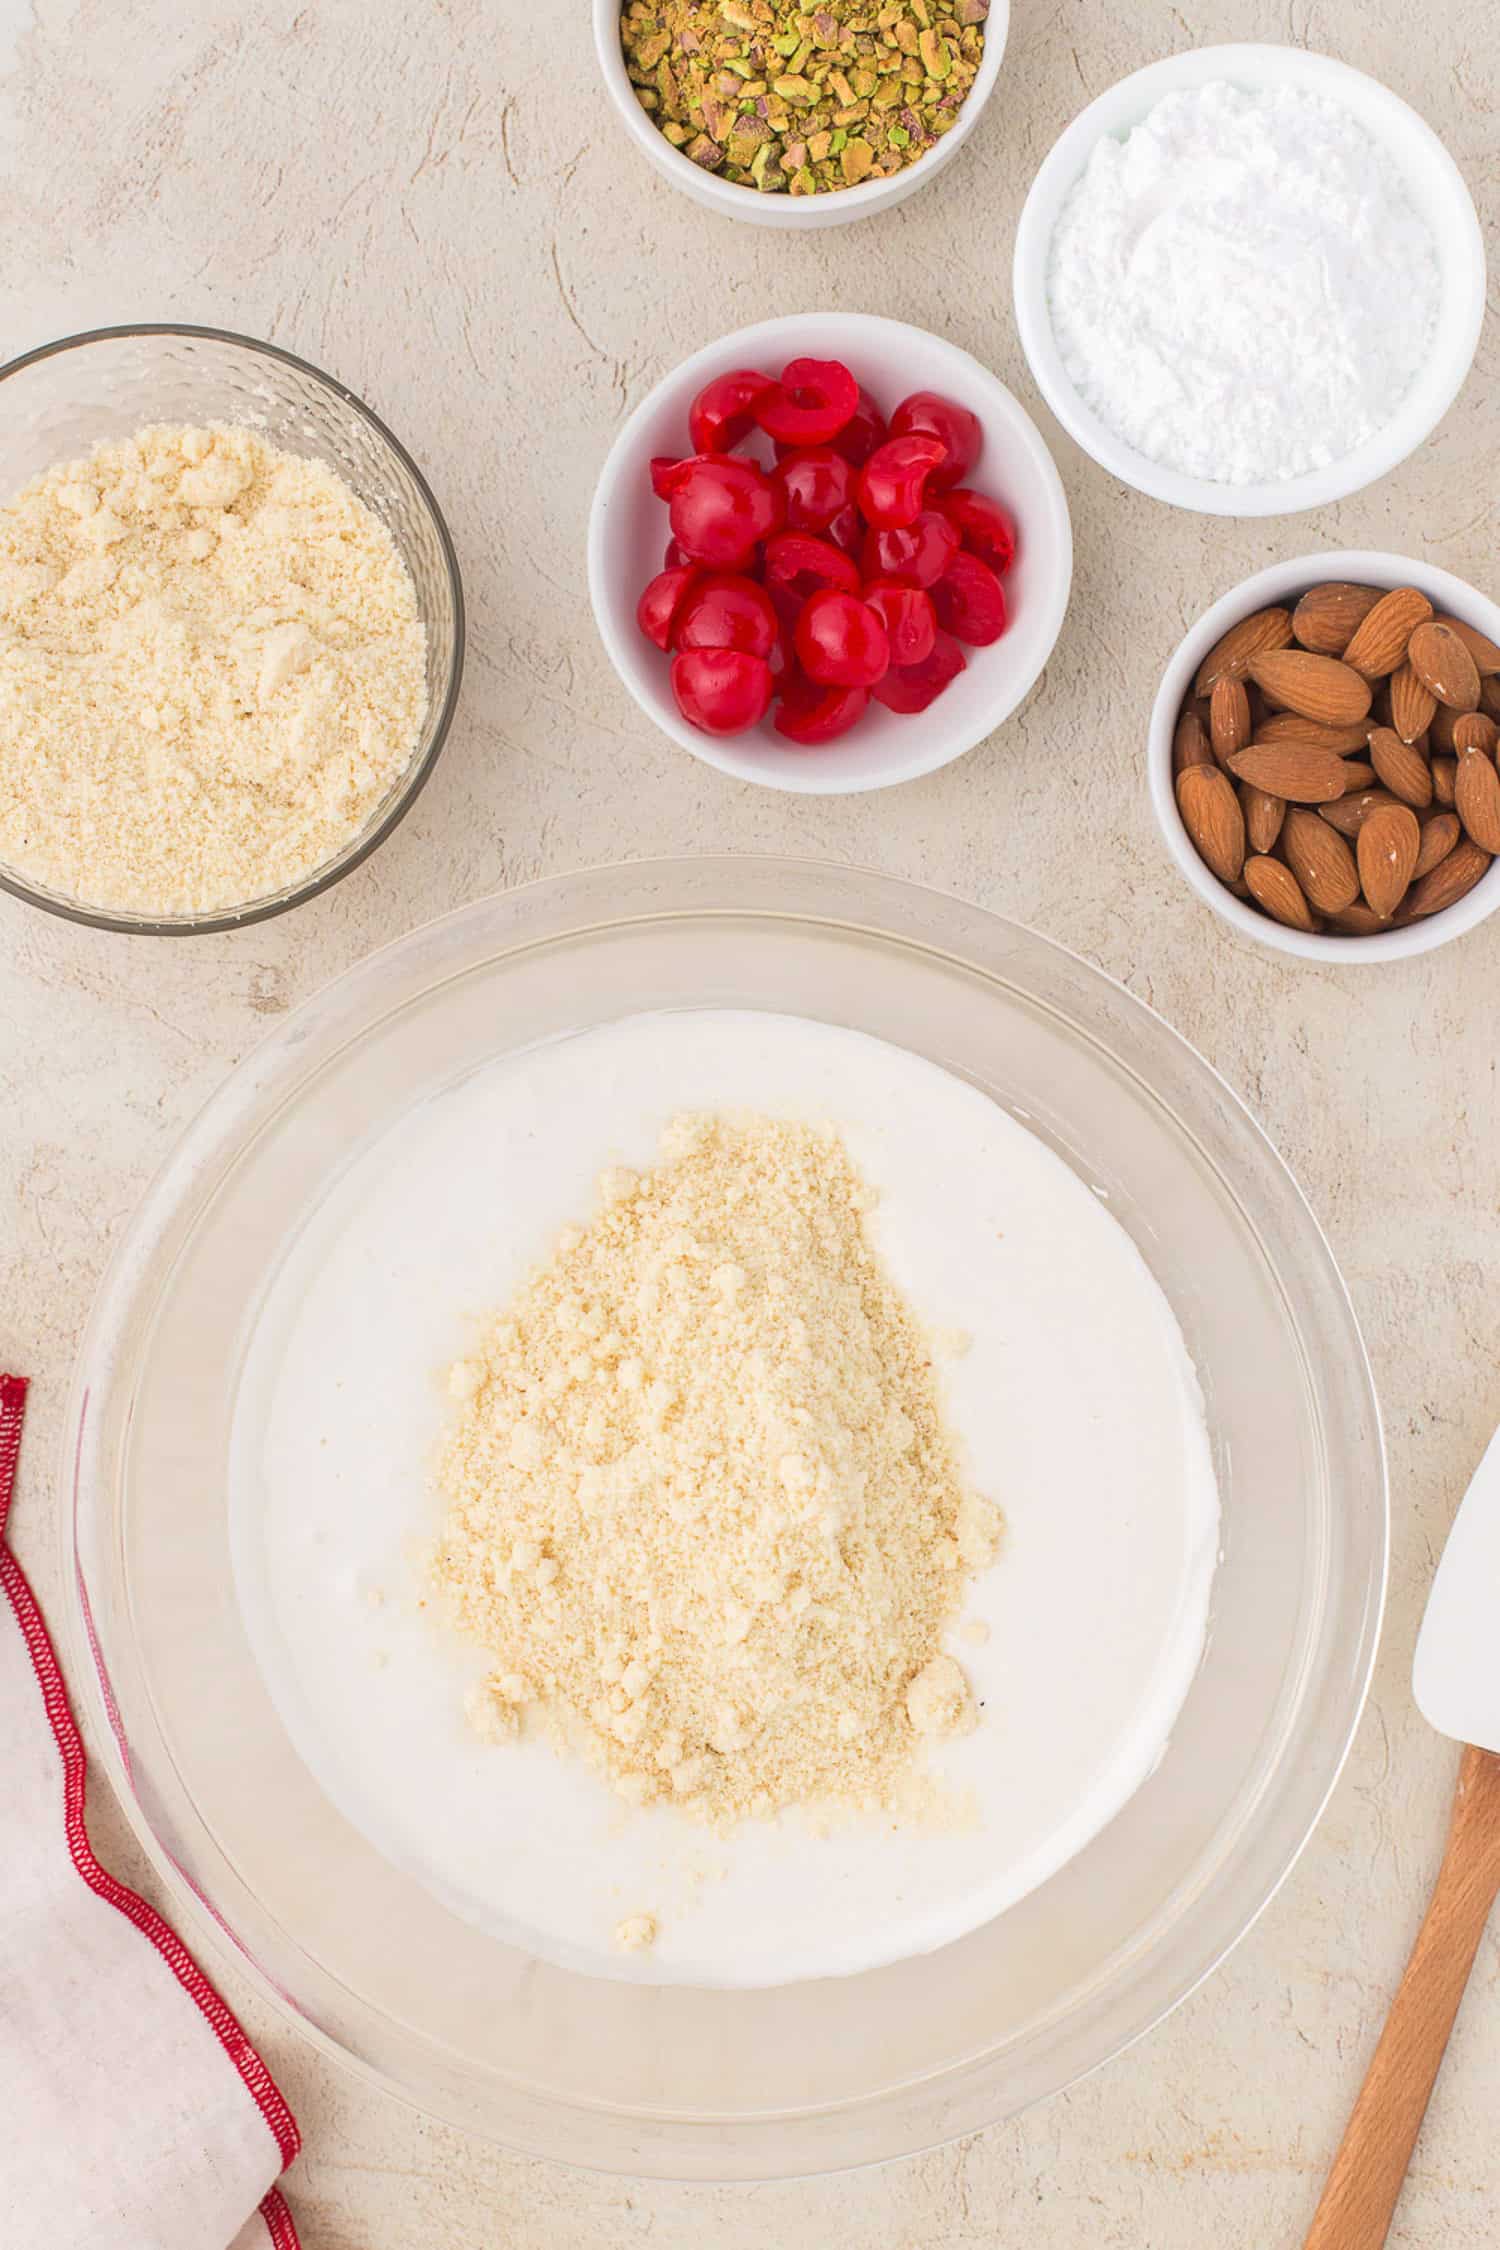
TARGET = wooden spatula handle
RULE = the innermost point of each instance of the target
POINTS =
(1360, 2199)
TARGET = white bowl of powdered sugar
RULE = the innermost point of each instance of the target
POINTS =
(1249, 280)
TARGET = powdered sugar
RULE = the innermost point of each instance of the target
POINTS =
(1241, 288)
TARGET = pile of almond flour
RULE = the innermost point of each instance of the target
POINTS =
(702, 1509)
(212, 670)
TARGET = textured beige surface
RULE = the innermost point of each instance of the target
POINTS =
(446, 215)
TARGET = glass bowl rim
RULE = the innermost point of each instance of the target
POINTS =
(417, 774)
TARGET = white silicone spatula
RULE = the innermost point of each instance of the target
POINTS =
(1457, 1684)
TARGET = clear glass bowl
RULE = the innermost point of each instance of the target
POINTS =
(673, 2081)
(60, 401)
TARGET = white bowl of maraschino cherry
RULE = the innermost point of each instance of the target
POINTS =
(829, 553)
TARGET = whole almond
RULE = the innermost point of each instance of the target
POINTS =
(1290, 726)
(1357, 920)
(1253, 636)
(1401, 767)
(1476, 799)
(1277, 892)
(1444, 781)
(1379, 644)
(1489, 695)
(1326, 619)
(1440, 735)
(1476, 730)
(1358, 774)
(1485, 652)
(1264, 815)
(1439, 835)
(1321, 861)
(1349, 815)
(1211, 815)
(1412, 705)
(1190, 745)
(1285, 769)
(1449, 881)
(1319, 687)
(1444, 666)
(1228, 717)
(1387, 848)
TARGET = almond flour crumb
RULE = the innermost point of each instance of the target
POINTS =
(938, 1700)
(702, 1508)
(212, 671)
(636, 1934)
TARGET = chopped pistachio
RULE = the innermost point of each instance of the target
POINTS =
(746, 136)
(802, 100)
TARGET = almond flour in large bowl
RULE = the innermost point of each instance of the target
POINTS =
(676, 2079)
(230, 630)
(1074, 1403)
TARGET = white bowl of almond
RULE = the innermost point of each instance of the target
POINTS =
(1322, 757)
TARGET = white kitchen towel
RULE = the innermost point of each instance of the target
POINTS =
(136, 2114)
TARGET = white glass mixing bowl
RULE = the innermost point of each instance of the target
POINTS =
(717, 2085)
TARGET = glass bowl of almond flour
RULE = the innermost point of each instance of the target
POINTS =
(231, 630)
(244, 1500)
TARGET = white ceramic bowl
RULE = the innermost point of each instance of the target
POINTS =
(1282, 582)
(831, 210)
(1437, 191)
(628, 534)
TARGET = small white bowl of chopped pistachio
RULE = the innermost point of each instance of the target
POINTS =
(792, 116)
